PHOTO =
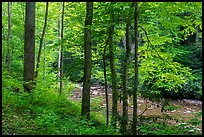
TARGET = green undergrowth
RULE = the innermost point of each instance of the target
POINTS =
(44, 112)
(161, 128)
(158, 125)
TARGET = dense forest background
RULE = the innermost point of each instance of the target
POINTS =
(53, 50)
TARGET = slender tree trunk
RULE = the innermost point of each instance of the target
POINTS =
(41, 41)
(4, 55)
(44, 72)
(125, 79)
(29, 46)
(104, 72)
(87, 62)
(61, 54)
(9, 38)
(114, 82)
(106, 85)
(59, 48)
(134, 126)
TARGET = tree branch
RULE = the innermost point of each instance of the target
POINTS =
(150, 42)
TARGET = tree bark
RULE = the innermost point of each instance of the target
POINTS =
(134, 126)
(59, 51)
(105, 79)
(114, 82)
(41, 41)
(9, 38)
(125, 79)
(61, 54)
(44, 72)
(106, 85)
(4, 54)
(87, 62)
(29, 46)
(113, 75)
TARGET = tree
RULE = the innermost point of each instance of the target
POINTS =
(41, 41)
(9, 39)
(113, 74)
(44, 70)
(106, 85)
(87, 61)
(29, 46)
(61, 52)
(125, 76)
(4, 56)
(105, 75)
(134, 125)
(114, 82)
(158, 65)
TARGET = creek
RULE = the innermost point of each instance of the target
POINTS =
(186, 111)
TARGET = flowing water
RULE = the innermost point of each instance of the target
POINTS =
(186, 110)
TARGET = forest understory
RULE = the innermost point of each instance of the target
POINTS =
(183, 111)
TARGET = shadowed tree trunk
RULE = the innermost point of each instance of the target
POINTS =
(4, 54)
(114, 82)
(59, 50)
(104, 72)
(29, 46)
(44, 70)
(125, 79)
(113, 76)
(134, 126)
(9, 38)
(61, 54)
(87, 62)
(106, 85)
(41, 41)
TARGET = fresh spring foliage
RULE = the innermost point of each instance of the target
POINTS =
(45, 112)
(170, 62)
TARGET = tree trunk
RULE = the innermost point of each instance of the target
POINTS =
(125, 79)
(104, 72)
(44, 72)
(41, 41)
(29, 46)
(4, 54)
(134, 126)
(87, 62)
(106, 85)
(61, 54)
(114, 83)
(9, 38)
(113, 74)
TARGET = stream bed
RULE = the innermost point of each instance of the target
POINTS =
(186, 111)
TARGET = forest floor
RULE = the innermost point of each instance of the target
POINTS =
(185, 112)
(45, 113)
